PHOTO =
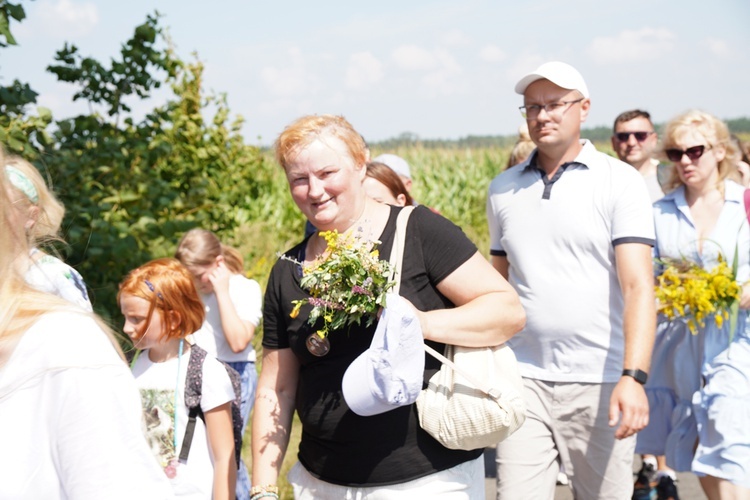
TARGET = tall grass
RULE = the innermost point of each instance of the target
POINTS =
(455, 182)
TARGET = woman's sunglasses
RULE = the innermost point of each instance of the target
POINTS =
(693, 153)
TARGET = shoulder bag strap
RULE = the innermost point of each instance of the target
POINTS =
(746, 197)
(399, 242)
(396, 261)
(482, 386)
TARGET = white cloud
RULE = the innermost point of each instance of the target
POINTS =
(364, 71)
(646, 44)
(455, 38)
(523, 65)
(61, 19)
(291, 79)
(414, 58)
(492, 54)
(719, 48)
(287, 81)
(441, 73)
(447, 78)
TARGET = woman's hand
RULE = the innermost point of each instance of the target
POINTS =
(219, 278)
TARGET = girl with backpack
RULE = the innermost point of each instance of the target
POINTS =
(161, 307)
(233, 311)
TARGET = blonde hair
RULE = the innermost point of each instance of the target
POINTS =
(167, 286)
(200, 247)
(307, 129)
(22, 305)
(522, 148)
(716, 134)
(49, 211)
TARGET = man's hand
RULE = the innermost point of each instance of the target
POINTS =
(629, 405)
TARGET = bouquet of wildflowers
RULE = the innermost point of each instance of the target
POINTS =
(347, 282)
(686, 290)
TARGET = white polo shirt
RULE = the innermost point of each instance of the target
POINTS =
(559, 238)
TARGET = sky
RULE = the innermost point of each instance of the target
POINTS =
(440, 69)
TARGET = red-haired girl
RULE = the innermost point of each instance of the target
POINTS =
(161, 307)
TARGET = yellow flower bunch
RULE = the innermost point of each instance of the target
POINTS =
(348, 282)
(686, 290)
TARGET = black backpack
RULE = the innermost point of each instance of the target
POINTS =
(193, 388)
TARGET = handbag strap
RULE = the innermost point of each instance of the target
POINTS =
(399, 242)
(482, 386)
(396, 260)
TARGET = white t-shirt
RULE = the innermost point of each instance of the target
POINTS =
(157, 382)
(247, 298)
(70, 418)
(559, 238)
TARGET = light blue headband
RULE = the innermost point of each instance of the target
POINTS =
(22, 183)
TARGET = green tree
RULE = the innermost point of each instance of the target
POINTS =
(132, 188)
(20, 131)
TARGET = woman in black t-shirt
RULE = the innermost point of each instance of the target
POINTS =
(459, 299)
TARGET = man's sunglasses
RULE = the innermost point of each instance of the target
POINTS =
(639, 136)
(693, 153)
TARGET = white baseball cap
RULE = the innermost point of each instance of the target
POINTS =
(390, 373)
(395, 163)
(561, 74)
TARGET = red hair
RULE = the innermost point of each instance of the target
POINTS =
(168, 286)
(305, 130)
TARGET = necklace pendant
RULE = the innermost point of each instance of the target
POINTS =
(318, 346)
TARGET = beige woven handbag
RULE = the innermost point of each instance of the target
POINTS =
(474, 400)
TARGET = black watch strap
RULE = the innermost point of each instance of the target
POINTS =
(639, 375)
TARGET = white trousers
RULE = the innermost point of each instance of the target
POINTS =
(462, 482)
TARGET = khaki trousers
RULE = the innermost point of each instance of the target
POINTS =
(566, 423)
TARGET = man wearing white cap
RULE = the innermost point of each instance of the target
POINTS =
(572, 230)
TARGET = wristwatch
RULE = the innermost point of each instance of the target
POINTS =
(639, 375)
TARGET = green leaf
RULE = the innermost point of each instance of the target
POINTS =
(44, 113)
(734, 312)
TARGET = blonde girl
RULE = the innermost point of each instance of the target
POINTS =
(161, 307)
(70, 414)
(233, 311)
(39, 215)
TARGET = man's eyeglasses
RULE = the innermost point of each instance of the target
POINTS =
(693, 153)
(552, 109)
(639, 136)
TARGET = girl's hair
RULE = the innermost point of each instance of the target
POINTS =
(37, 198)
(522, 148)
(716, 134)
(200, 247)
(168, 286)
(22, 305)
(307, 129)
(390, 179)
